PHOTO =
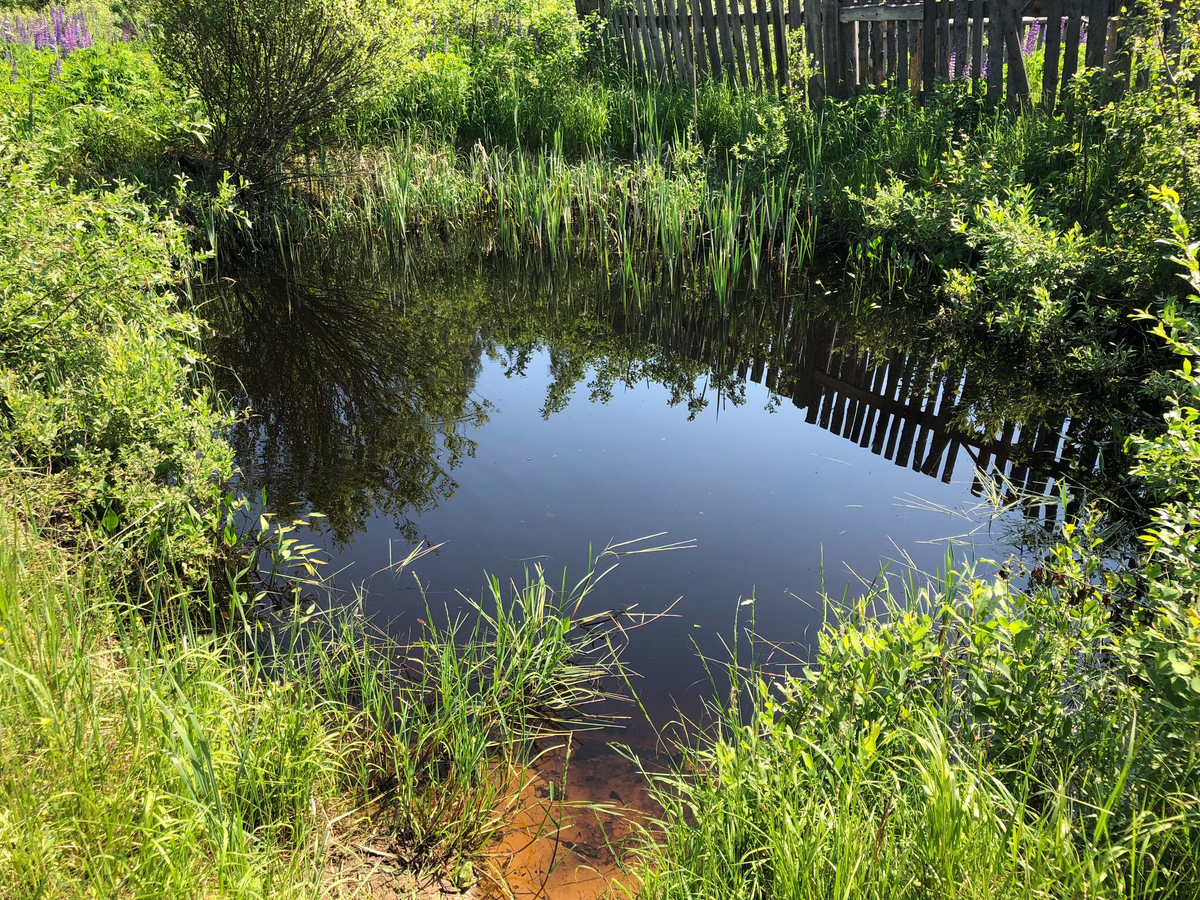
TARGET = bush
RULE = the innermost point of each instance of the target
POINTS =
(273, 75)
(100, 375)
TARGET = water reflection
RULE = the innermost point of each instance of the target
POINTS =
(361, 402)
(360, 372)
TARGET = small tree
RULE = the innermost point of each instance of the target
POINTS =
(272, 74)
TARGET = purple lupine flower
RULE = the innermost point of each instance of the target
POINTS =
(61, 31)
(422, 54)
(883, 112)
(433, 25)
(1031, 38)
(954, 73)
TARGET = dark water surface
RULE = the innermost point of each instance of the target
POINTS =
(800, 439)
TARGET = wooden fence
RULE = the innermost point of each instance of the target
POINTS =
(853, 47)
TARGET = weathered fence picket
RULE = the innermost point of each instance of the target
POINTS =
(856, 46)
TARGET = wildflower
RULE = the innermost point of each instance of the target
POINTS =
(883, 112)
(1031, 38)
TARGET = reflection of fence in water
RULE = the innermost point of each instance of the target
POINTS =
(896, 406)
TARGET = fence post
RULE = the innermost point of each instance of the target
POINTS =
(959, 40)
(770, 72)
(995, 52)
(724, 27)
(739, 42)
(1053, 10)
(812, 41)
(830, 57)
(1018, 78)
(976, 42)
(781, 44)
(928, 49)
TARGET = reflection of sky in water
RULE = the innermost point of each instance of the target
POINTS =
(775, 505)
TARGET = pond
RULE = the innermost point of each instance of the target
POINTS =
(798, 441)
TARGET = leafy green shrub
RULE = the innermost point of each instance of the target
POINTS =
(100, 376)
(273, 75)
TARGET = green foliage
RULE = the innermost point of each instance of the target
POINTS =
(269, 98)
(104, 402)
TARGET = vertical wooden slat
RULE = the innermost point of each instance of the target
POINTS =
(995, 51)
(959, 40)
(830, 50)
(892, 48)
(1018, 78)
(976, 40)
(679, 40)
(642, 38)
(1097, 33)
(752, 43)
(1111, 46)
(864, 53)
(848, 53)
(699, 53)
(621, 27)
(656, 44)
(878, 55)
(1053, 53)
(725, 35)
(739, 41)
(902, 55)
(635, 39)
(916, 38)
(655, 39)
(714, 51)
(781, 47)
(666, 34)
(1074, 11)
(689, 13)
(928, 48)
(943, 43)
(764, 44)
(813, 44)
(1122, 58)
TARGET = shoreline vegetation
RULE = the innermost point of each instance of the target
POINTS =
(1031, 733)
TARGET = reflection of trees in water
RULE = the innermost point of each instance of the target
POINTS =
(361, 400)
(360, 369)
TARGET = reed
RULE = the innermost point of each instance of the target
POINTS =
(633, 218)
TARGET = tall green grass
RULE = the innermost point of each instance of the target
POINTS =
(956, 740)
(143, 752)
